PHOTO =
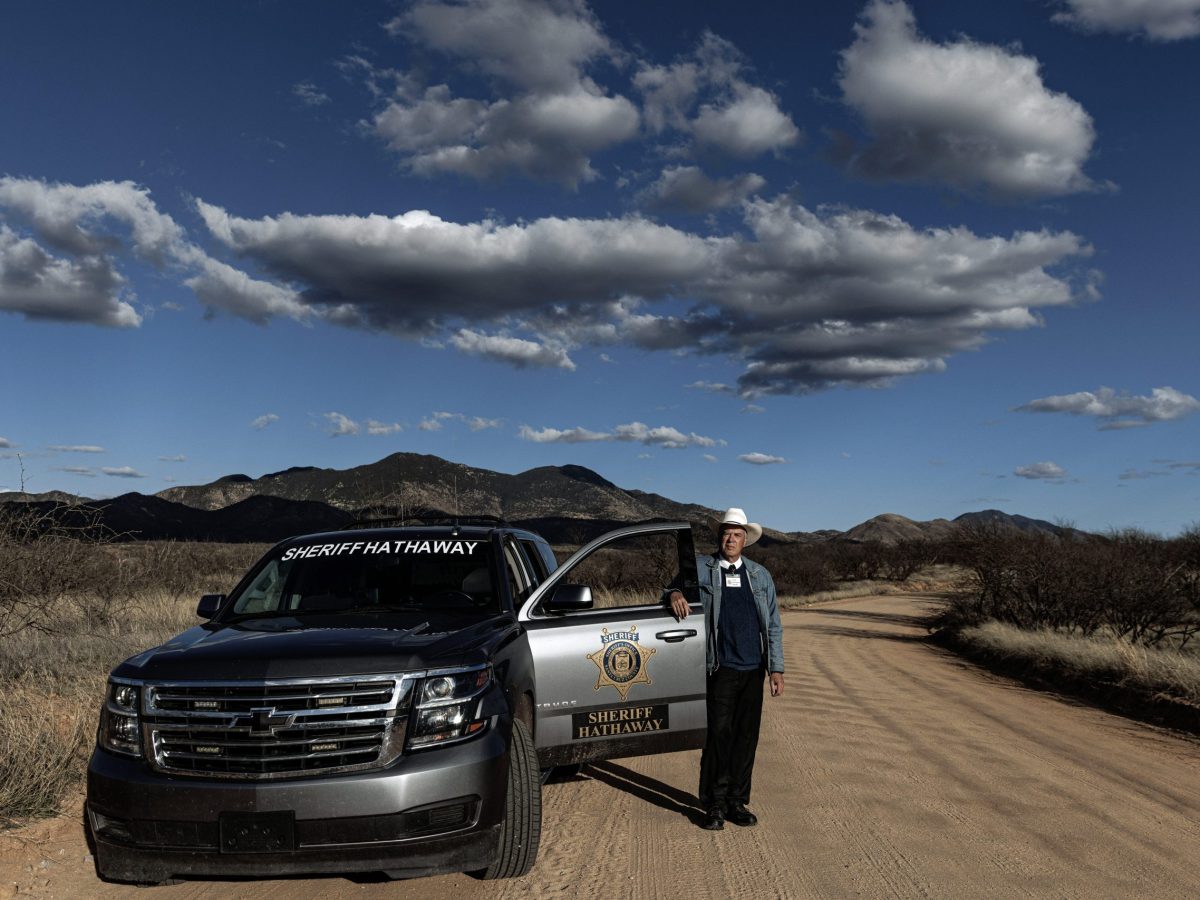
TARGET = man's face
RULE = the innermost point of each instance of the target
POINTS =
(733, 539)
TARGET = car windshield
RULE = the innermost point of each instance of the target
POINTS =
(421, 574)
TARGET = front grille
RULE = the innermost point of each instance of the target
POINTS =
(277, 729)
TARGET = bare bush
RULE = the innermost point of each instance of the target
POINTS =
(1129, 584)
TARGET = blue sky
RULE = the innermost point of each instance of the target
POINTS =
(820, 261)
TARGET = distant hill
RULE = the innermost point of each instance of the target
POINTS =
(47, 496)
(568, 504)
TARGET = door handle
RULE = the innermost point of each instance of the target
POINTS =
(674, 637)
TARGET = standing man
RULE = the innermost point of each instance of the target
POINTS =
(745, 641)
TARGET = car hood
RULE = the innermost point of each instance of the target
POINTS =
(295, 647)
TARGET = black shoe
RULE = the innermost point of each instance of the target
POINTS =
(739, 815)
(713, 820)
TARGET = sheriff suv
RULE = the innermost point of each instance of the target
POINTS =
(386, 699)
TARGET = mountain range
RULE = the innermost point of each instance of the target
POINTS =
(568, 504)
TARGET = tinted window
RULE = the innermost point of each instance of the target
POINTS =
(369, 576)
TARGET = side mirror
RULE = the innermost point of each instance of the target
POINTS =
(210, 605)
(569, 598)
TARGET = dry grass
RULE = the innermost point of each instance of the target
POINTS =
(930, 579)
(52, 674)
(1157, 672)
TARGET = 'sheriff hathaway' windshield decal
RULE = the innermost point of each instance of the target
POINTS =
(621, 660)
(363, 548)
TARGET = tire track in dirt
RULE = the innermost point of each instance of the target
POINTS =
(889, 768)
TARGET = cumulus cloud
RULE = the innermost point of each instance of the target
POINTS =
(375, 427)
(761, 459)
(339, 425)
(85, 471)
(688, 189)
(962, 113)
(6, 444)
(264, 420)
(76, 448)
(660, 436)
(714, 387)
(517, 351)
(1119, 409)
(805, 299)
(94, 227)
(547, 118)
(706, 96)
(122, 472)
(1159, 20)
(708, 457)
(1042, 471)
(177, 458)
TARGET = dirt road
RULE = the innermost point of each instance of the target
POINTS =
(888, 769)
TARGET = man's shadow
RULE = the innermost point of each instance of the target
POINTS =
(648, 789)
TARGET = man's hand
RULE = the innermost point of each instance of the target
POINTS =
(776, 684)
(679, 605)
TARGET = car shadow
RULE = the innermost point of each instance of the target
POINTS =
(643, 787)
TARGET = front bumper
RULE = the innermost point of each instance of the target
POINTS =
(430, 812)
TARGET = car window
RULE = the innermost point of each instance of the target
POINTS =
(413, 573)
(536, 563)
(630, 571)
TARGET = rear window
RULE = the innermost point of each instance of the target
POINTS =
(411, 574)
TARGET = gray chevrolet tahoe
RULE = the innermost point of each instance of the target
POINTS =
(387, 699)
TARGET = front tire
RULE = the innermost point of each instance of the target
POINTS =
(521, 829)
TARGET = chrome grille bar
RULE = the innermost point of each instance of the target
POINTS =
(277, 728)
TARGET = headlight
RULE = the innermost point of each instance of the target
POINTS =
(448, 707)
(120, 728)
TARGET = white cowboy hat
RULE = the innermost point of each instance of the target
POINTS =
(735, 516)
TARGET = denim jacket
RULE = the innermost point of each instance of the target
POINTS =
(763, 587)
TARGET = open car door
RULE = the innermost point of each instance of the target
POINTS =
(616, 673)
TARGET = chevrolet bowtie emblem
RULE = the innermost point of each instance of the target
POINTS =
(264, 721)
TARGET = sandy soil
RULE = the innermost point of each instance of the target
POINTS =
(888, 769)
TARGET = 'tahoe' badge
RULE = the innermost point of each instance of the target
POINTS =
(621, 660)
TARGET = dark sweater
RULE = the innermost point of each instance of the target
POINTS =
(739, 640)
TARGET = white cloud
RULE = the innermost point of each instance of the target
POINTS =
(121, 472)
(708, 457)
(95, 226)
(660, 436)
(340, 425)
(688, 189)
(748, 124)
(264, 420)
(479, 423)
(1042, 471)
(1160, 20)
(548, 127)
(714, 387)
(753, 408)
(962, 113)
(761, 459)
(430, 424)
(76, 448)
(85, 471)
(705, 95)
(805, 300)
(309, 94)
(1119, 409)
(6, 444)
(375, 427)
(177, 458)
(517, 351)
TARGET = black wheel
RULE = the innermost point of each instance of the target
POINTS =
(522, 826)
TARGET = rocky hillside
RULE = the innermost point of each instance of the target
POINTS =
(568, 504)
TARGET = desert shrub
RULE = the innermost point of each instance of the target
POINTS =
(797, 569)
(1129, 584)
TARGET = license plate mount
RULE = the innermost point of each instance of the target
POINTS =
(273, 832)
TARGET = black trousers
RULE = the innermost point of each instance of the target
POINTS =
(734, 712)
